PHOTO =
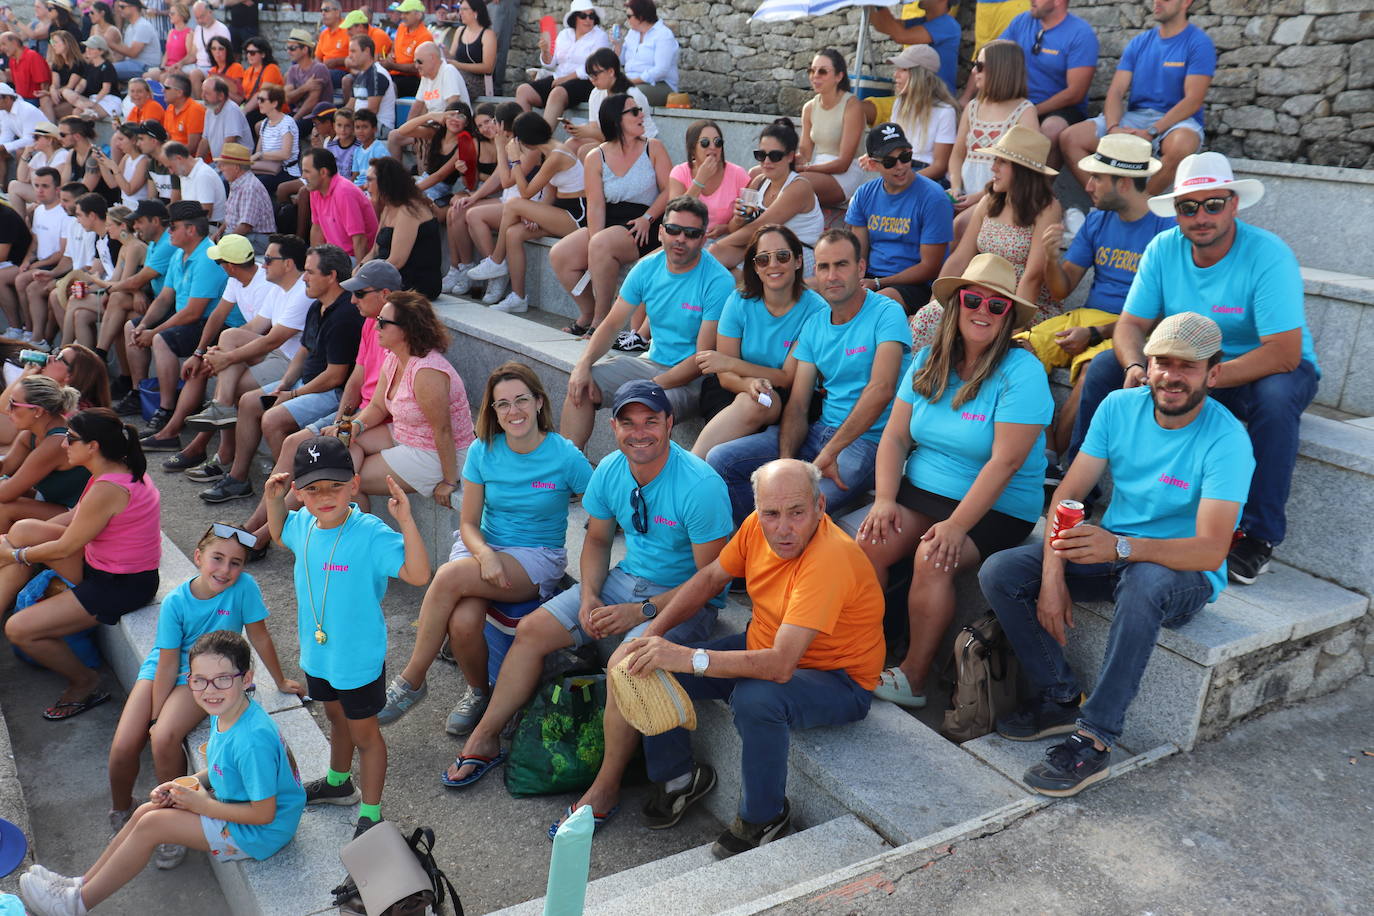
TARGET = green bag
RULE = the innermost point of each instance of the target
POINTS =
(558, 742)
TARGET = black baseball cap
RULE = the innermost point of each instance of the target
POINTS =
(155, 129)
(886, 137)
(642, 391)
(147, 207)
(185, 209)
(321, 458)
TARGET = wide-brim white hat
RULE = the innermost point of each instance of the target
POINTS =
(1207, 172)
(1122, 155)
(583, 6)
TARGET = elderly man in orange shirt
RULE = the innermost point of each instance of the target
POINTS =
(811, 656)
(331, 48)
(410, 34)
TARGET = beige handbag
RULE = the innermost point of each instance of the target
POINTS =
(652, 704)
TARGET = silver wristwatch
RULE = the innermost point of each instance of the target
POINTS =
(1123, 548)
(700, 662)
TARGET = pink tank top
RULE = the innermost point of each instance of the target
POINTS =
(409, 426)
(177, 41)
(131, 541)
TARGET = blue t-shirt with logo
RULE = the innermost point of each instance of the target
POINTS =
(1158, 66)
(525, 497)
(945, 35)
(765, 340)
(184, 618)
(160, 259)
(687, 504)
(249, 763)
(195, 276)
(1254, 291)
(1160, 475)
(899, 224)
(843, 355)
(677, 304)
(1067, 46)
(355, 572)
(952, 446)
(1112, 248)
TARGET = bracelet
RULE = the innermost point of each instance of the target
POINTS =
(513, 162)
(21, 557)
(698, 184)
(1130, 366)
(1094, 336)
(200, 351)
(361, 426)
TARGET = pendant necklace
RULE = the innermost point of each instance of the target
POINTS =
(320, 636)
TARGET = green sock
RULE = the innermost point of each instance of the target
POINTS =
(372, 812)
(335, 778)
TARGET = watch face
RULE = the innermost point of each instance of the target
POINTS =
(649, 609)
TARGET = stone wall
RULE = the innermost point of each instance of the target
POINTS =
(1294, 83)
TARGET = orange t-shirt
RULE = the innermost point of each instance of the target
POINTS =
(831, 588)
(407, 41)
(181, 124)
(381, 40)
(271, 76)
(148, 111)
(233, 74)
(331, 43)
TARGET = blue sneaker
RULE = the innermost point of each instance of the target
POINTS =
(1069, 768)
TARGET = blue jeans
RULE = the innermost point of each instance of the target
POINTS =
(1271, 409)
(1148, 596)
(736, 460)
(765, 713)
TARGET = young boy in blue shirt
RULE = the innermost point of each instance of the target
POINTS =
(343, 642)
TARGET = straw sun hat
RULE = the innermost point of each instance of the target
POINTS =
(1022, 146)
(652, 704)
(996, 273)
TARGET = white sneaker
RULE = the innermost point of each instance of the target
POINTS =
(488, 270)
(41, 345)
(23, 334)
(168, 855)
(118, 819)
(53, 877)
(46, 899)
(456, 277)
(496, 290)
(512, 303)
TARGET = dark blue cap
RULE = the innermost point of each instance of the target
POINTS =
(642, 391)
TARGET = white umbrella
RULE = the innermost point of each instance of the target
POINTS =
(786, 10)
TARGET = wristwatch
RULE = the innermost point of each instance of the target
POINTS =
(648, 609)
(1123, 548)
(700, 662)
(1152, 131)
(1094, 336)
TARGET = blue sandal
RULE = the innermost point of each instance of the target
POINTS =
(598, 820)
(482, 764)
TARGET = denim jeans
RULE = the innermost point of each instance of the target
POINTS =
(737, 459)
(1147, 595)
(765, 712)
(1270, 407)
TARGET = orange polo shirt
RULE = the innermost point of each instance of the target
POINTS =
(381, 39)
(407, 41)
(332, 43)
(148, 111)
(181, 124)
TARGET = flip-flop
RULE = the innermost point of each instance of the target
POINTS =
(895, 688)
(598, 820)
(482, 764)
(59, 711)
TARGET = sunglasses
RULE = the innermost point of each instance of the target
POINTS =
(387, 323)
(891, 161)
(633, 112)
(1039, 42)
(772, 155)
(707, 142)
(72, 438)
(268, 259)
(979, 66)
(692, 232)
(819, 71)
(764, 258)
(252, 50)
(222, 682)
(584, 15)
(65, 361)
(639, 508)
(997, 305)
(294, 47)
(14, 404)
(229, 532)
(1213, 205)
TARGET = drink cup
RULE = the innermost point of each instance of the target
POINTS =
(188, 782)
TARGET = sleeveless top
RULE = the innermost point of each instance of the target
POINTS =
(409, 425)
(1014, 244)
(809, 225)
(62, 488)
(468, 52)
(130, 165)
(131, 541)
(977, 170)
(827, 126)
(572, 180)
(422, 271)
(637, 186)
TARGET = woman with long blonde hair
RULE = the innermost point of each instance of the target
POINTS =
(924, 109)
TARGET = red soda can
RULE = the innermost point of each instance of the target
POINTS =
(77, 289)
(1068, 514)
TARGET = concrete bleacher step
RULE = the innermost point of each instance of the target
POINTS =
(1013, 758)
(695, 883)
(1332, 500)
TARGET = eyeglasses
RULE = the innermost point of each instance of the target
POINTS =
(72, 438)
(692, 232)
(1039, 42)
(520, 403)
(222, 682)
(890, 162)
(997, 305)
(584, 15)
(818, 71)
(1213, 205)
(387, 323)
(706, 142)
(764, 258)
(979, 66)
(633, 112)
(639, 507)
(229, 532)
(772, 155)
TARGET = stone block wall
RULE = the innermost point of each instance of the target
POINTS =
(1294, 82)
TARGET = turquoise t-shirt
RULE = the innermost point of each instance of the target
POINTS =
(1254, 291)
(356, 573)
(184, 618)
(951, 446)
(249, 763)
(195, 276)
(1112, 247)
(843, 356)
(677, 303)
(525, 501)
(763, 339)
(687, 502)
(159, 258)
(1159, 66)
(1160, 475)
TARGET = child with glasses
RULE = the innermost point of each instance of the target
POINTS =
(160, 706)
(245, 804)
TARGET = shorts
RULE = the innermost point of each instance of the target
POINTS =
(108, 596)
(621, 213)
(270, 368)
(610, 374)
(715, 398)
(417, 466)
(440, 192)
(359, 703)
(183, 339)
(622, 588)
(1040, 339)
(995, 531)
(1070, 114)
(222, 845)
(544, 565)
(578, 90)
(576, 207)
(1142, 118)
(306, 409)
(848, 180)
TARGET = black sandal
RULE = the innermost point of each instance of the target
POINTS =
(576, 330)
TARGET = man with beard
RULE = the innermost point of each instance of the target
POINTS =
(1247, 280)
(1181, 466)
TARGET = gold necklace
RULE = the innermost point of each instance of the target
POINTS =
(320, 636)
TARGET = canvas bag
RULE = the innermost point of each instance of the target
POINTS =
(984, 673)
(558, 741)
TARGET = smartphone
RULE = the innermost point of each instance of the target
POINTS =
(269, 401)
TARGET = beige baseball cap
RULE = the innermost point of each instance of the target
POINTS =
(1185, 335)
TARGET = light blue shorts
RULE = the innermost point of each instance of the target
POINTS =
(309, 408)
(622, 588)
(222, 845)
(1142, 118)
